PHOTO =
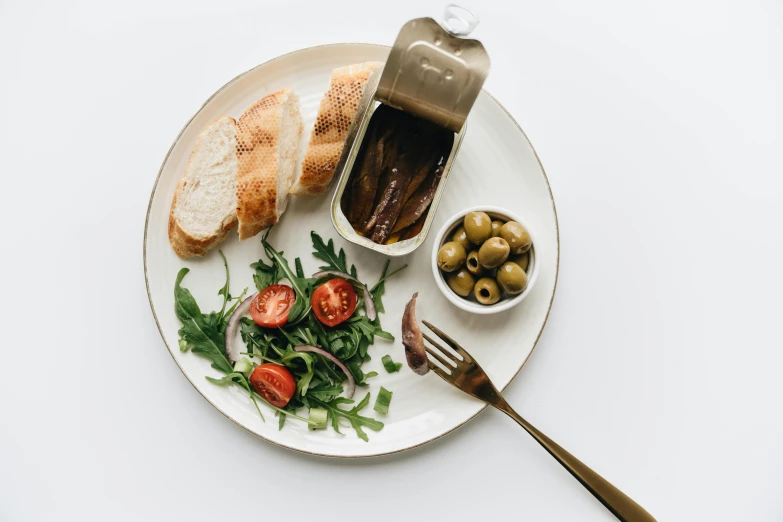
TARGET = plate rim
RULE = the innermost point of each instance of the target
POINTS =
(163, 337)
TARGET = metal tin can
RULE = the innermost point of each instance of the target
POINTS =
(433, 74)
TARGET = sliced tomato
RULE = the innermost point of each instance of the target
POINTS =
(271, 306)
(274, 383)
(334, 301)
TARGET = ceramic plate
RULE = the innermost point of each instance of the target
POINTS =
(495, 166)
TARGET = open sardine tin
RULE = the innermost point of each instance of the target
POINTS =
(432, 74)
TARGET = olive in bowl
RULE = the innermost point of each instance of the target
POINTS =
(451, 256)
(499, 267)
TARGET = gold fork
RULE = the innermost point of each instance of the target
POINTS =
(465, 373)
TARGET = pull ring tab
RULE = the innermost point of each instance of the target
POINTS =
(459, 21)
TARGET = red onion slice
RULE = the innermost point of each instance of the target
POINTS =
(369, 305)
(351, 387)
(232, 352)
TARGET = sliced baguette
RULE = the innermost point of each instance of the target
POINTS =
(204, 206)
(335, 114)
(267, 144)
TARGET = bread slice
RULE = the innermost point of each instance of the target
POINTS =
(335, 114)
(204, 205)
(267, 149)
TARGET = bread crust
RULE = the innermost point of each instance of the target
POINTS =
(336, 112)
(185, 245)
(258, 135)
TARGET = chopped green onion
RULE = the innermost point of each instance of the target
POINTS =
(390, 365)
(383, 335)
(243, 366)
(183, 345)
(382, 401)
(318, 417)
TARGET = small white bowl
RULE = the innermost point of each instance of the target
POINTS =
(469, 303)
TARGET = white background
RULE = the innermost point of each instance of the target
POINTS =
(659, 126)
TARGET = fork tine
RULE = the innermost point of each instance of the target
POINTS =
(448, 340)
(440, 372)
(441, 348)
(444, 362)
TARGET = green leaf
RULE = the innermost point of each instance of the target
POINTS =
(240, 380)
(237, 301)
(202, 333)
(325, 252)
(365, 327)
(325, 391)
(231, 378)
(383, 334)
(368, 329)
(265, 274)
(224, 291)
(303, 382)
(358, 375)
(357, 421)
(302, 287)
(379, 289)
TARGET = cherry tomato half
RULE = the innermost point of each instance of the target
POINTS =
(274, 383)
(270, 307)
(334, 301)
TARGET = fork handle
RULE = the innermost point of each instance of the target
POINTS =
(615, 500)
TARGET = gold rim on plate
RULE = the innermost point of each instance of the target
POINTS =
(155, 315)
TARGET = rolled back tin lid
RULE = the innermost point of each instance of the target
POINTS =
(434, 73)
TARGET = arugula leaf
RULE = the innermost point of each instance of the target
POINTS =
(237, 301)
(265, 275)
(302, 286)
(325, 391)
(202, 333)
(377, 292)
(224, 291)
(369, 329)
(364, 326)
(241, 380)
(383, 334)
(379, 289)
(303, 382)
(325, 252)
(357, 421)
(358, 375)
(231, 378)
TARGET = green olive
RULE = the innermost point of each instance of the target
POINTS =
(487, 291)
(496, 228)
(493, 252)
(461, 237)
(523, 260)
(473, 265)
(516, 236)
(461, 282)
(512, 278)
(451, 256)
(478, 227)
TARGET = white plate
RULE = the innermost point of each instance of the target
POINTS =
(495, 166)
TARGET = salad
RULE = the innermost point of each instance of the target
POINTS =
(302, 349)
